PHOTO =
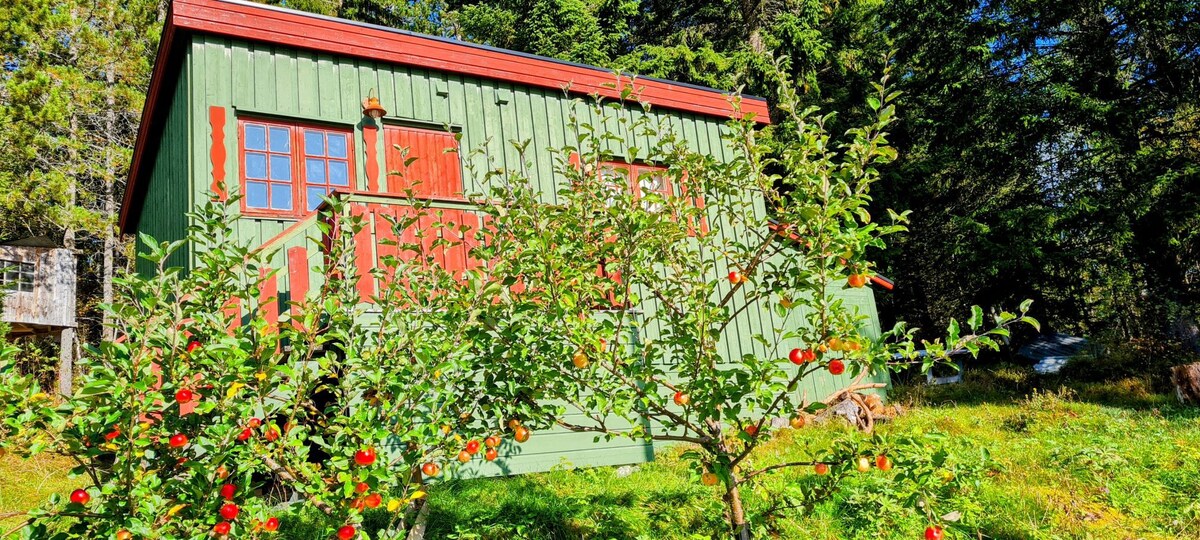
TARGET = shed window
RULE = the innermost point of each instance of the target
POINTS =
(640, 179)
(16, 276)
(288, 168)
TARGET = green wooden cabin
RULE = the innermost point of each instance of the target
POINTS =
(268, 103)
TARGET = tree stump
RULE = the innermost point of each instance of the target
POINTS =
(1187, 383)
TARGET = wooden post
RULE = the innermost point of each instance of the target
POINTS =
(66, 361)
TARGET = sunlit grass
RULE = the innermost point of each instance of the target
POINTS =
(27, 483)
(1063, 467)
(1097, 460)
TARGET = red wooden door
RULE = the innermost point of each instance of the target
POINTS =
(434, 173)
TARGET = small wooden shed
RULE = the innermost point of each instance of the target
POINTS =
(37, 296)
(37, 281)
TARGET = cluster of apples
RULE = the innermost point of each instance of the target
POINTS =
(229, 512)
(862, 464)
(803, 356)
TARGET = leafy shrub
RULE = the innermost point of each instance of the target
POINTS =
(1117, 358)
(207, 417)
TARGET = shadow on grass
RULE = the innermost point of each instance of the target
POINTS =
(525, 507)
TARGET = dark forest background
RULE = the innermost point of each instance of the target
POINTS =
(1049, 149)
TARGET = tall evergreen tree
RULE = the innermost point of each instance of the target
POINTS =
(71, 92)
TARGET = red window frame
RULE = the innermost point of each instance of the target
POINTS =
(297, 155)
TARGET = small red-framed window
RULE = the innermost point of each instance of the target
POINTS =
(287, 168)
(326, 163)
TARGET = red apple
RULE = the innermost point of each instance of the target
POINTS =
(884, 463)
(735, 277)
(183, 396)
(191, 347)
(178, 440)
(708, 479)
(221, 528)
(347, 532)
(245, 435)
(373, 500)
(464, 456)
(430, 469)
(80, 496)
(271, 525)
(751, 429)
(472, 447)
(856, 280)
(836, 367)
(821, 469)
(124, 535)
(272, 434)
(222, 472)
(492, 441)
(682, 399)
(364, 457)
(112, 434)
(521, 434)
(229, 511)
(362, 487)
(810, 355)
(227, 491)
(796, 356)
(254, 423)
(491, 454)
(933, 532)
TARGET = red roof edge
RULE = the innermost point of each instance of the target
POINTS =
(238, 19)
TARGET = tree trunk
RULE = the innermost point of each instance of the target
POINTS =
(66, 339)
(1187, 383)
(737, 514)
(110, 204)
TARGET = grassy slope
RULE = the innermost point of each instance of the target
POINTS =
(1064, 466)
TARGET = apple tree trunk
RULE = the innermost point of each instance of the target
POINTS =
(737, 514)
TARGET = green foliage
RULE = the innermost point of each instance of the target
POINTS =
(1041, 135)
(1080, 469)
(587, 31)
(779, 225)
(418, 16)
(277, 409)
(1113, 359)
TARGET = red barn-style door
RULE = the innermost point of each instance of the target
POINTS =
(433, 171)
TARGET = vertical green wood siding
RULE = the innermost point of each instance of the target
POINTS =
(253, 79)
(164, 212)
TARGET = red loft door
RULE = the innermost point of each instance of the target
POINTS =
(435, 173)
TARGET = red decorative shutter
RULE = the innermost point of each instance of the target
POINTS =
(434, 173)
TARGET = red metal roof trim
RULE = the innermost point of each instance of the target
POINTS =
(269, 24)
(301, 30)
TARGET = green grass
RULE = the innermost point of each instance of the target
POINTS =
(1098, 460)
(27, 483)
(1087, 461)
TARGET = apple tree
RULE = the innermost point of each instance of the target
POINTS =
(623, 288)
(207, 417)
